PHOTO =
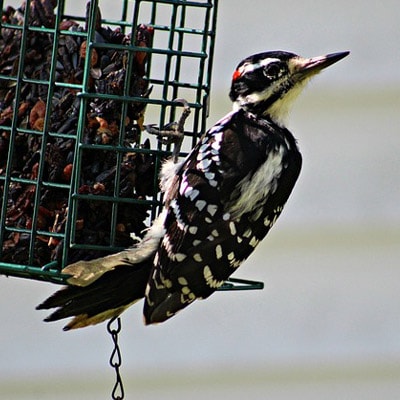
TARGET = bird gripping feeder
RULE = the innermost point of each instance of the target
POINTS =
(78, 172)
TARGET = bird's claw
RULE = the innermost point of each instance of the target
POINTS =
(174, 132)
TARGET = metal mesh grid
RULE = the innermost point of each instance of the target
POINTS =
(178, 64)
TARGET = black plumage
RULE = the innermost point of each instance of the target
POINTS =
(107, 296)
(223, 235)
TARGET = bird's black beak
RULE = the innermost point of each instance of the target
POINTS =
(306, 67)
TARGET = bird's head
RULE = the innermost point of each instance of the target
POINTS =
(267, 83)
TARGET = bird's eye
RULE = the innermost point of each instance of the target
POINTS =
(272, 70)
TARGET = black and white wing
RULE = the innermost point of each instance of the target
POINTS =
(220, 202)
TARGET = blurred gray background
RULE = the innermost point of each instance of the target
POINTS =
(327, 324)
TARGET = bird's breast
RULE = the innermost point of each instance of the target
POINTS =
(257, 186)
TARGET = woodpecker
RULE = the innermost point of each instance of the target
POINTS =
(220, 202)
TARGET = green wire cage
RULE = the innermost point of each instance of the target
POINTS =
(78, 168)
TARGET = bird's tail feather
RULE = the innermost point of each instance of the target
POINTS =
(169, 304)
(105, 298)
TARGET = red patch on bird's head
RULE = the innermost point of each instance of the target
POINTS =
(236, 75)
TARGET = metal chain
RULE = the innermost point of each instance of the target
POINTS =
(116, 359)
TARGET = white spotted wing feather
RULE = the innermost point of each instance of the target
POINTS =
(217, 202)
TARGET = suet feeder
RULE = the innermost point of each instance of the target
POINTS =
(78, 171)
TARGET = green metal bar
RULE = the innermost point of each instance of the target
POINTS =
(124, 15)
(208, 79)
(39, 232)
(170, 53)
(182, 2)
(241, 284)
(110, 199)
(46, 83)
(40, 274)
(40, 29)
(133, 98)
(156, 195)
(32, 182)
(179, 29)
(13, 133)
(108, 248)
(70, 227)
(197, 115)
(178, 60)
(61, 135)
(11, 26)
(123, 149)
(72, 33)
(153, 50)
(121, 138)
(152, 23)
(8, 78)
(42, 159)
